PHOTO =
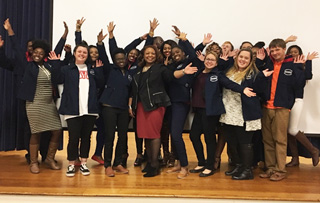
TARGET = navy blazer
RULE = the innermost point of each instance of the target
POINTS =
(213, 91)
(69, 76)
(117, 85)
(291, 78)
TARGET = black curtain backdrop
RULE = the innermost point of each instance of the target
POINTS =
(30, 19)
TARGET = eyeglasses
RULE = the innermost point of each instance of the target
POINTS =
(208, 59)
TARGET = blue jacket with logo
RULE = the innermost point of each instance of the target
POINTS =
(69, 76)
(117, 84)
(291, 78)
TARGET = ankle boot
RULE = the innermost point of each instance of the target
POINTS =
(151, 172)
(146, 168)
(234, 171)
(34, 165)
(308, 145)
(53, 146)
(292, 143)
(246, 152)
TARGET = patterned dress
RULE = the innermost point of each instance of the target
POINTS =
(42, 112)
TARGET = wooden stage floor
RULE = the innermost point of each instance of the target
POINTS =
(302, 184)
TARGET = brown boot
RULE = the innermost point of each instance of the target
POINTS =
(307, 144)
(292, 143)
(34, 165)
(50, 156)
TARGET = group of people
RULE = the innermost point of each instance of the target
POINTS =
(237, 93)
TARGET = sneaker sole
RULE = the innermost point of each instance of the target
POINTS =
(70, 175)
(85, 173)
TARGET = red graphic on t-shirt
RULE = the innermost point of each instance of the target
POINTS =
(83, 74)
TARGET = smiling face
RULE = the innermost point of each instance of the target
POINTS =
(120, 60)
(81, 55)
(227, 47)
(177, 54)
(166, 50)
(132, 56)
(278, 53)
(294, 52)
(243, 60)
(94, 54)
(38, 55)
(210, 61)
(149, 56)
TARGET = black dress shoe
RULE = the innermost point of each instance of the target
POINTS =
(206, 174)
(197, 170)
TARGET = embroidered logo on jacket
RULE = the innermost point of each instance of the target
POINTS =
(92, 72)
(213, 78)
(287, 72)
(248, 77)
(129, 78)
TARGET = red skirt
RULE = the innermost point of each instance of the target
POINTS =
(149, 123)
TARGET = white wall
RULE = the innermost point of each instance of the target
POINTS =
(231, 20)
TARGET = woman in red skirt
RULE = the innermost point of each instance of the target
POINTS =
(149, 101)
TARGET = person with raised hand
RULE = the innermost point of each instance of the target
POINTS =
(36, 89)
(243, 114)
(79, 103)
(294, 133)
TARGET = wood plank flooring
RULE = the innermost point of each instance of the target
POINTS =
(302, 183)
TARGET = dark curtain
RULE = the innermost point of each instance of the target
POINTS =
(30, 19)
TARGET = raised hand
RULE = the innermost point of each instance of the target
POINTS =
(200, 55)
(8, 27)
(249, 92)
(111, 27)
(153, 25)
(1, 41)
(182, 36)
(312, 56)
(207, 39)
(53, 56)
(79, 24)
(234, 53)
(189, 69)
(176, 30)
(224, 56)
(299, 59)
(261, 54)
(67, 48)
(99, 63)
(101, 37)
(66, 30)
(166, 61)
(267, 72)
(291, 38)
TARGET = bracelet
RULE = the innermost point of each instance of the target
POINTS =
(183, 72)
(130, 107)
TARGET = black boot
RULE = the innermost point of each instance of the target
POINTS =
(236, 170)
(151, 172)
(146, 168)
(246, 151)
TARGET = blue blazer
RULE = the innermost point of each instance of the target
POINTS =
(69, 76)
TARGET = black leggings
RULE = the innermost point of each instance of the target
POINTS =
(79, 128)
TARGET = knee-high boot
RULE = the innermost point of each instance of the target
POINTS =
(292, 143)
(34, 165)
(247, 159)
(308, 145)
(53, 146)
